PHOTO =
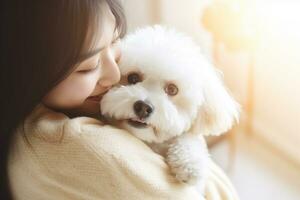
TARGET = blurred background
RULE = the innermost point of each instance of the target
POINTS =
(256, 44)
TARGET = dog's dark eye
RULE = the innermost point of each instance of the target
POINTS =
(171, 89)
(134, 78)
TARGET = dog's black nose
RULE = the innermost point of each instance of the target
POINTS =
(142, 109)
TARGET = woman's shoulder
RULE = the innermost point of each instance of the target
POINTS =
(91, 157)
(51, 133)
(47, 135)
(45, 125)
(52, 126)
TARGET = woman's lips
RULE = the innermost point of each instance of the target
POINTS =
(98, 97)
(95, 98)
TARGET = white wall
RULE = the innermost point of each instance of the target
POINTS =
(137, 13)
(277, 80)
(182, 15)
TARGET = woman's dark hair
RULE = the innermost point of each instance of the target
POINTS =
(41, 42)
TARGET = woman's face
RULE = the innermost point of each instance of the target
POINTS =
(81, 91)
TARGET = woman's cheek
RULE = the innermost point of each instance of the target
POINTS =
(74, 92)
(83, 89)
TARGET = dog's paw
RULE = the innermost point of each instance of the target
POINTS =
(187, 161)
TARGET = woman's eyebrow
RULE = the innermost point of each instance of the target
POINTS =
(90, 54)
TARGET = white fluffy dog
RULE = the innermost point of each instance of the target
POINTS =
(170, 96)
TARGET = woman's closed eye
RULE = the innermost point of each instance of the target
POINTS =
(89, 69)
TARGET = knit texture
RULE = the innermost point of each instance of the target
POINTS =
(54, 157)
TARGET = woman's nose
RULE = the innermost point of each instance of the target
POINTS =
(110, 73)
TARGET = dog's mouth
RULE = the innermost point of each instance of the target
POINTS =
(137, 123)
(134, 122)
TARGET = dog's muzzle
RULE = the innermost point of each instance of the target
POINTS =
(143, 109)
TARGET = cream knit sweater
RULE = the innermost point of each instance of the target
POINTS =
(54, 157)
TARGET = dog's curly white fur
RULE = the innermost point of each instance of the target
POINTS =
(184, 93)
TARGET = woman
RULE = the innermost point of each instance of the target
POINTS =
(58, 59)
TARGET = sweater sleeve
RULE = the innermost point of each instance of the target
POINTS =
(82, 159)
(54, 157)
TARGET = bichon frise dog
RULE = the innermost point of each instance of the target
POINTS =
(170, 96)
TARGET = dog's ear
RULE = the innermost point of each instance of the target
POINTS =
(218, 111)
